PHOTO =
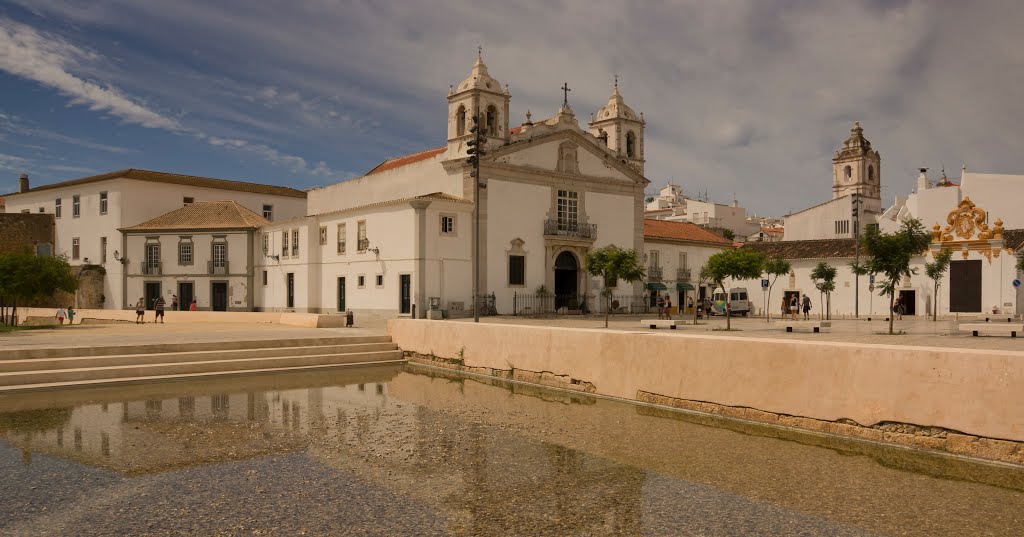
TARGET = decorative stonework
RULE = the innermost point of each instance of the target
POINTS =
(966, 231)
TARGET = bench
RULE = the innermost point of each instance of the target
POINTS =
(656, 323)
(1001, 328)
(815, 325)
(991, 317)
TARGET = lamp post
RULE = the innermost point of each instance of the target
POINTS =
(476, 151)
(856, 236)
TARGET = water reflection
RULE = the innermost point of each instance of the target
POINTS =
(497, 458)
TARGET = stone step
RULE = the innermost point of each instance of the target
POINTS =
(69, 352)
(64, 376)
(208, 375)
(81, 362)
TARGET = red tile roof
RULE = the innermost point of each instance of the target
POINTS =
(179, 179)
(205, 215)
(398, 162)
(682, 231)
(773, 230)
(2, 202)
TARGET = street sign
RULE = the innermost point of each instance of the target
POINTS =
(764, 284)
(871, 287)
(871, 278)
(1016, 283)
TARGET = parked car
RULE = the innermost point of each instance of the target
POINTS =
(738, 301)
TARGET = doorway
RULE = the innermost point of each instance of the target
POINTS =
(291, 289)
(405, 294)
(908, 299)
(566, 280)
(186, 292)
(341, 294)
(965, 286)
(219, 296)
(152, 291)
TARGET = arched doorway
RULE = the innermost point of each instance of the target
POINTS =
(566, 280)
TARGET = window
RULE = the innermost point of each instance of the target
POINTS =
(103, 203)
(187, 200)
(152, 258)
(76, 206)
(491, 127)
(268, 212)
(323, 235)
(567, 208)
(630, 144)
(361, 281)
(185, 251)
(341, 238)
(682, 260)
(362, 243)
(220, 255)
(56, 208)
(284, 243)
(75, 247)
(847, 173)
(42, 210)
(447, 224)
(380, 280)
(460, 121)
(44, 249)
(842, 227)
(103, 250)
(264, 278)
(871, 174)
(654, 256)
(266, 243)
(517, 270)
(295, 243)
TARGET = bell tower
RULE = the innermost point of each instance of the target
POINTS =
(479, 93)
(856, 168)
(619, 128)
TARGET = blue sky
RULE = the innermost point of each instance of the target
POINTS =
(745, 97)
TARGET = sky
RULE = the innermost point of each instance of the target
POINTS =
(742, 98)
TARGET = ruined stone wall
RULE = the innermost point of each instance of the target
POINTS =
(19, 230)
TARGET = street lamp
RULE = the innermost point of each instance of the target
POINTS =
(475, 151)
(856, 237)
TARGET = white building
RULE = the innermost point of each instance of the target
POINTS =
(90, 211)
(553, 190)
(673, 205)
(674, 253)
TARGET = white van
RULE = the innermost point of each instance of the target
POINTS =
(739, 302)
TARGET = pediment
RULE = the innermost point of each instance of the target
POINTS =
(551, 152)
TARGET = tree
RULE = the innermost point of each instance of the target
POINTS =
(25, 276)
(738, 264)
(773, 268)
(1020, 261)
(889, 255)
(611, 264)
(702, 278)
(824, 278)
(935, 270)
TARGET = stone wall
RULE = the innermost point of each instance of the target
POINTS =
(19, 230)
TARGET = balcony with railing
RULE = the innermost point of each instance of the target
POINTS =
(150, 268)
(683, 274)
(654, 273)
(574, 230)
(217, 267)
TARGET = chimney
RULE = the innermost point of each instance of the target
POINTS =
(922, 180)
(23, 183)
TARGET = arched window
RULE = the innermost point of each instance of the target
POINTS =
(492, 121)
(630, 144)
(847, 172)
(460, 121)
(871, 174)
(603, 136)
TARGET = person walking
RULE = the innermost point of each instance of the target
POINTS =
(785, 307)
(661, 307)
(159, 306)
(668, 307)
(61, 314)
(140, 311)
(174, 302)
(897, 308)
(793, 306)
(71, 315)
(807, 307)
(192, 306)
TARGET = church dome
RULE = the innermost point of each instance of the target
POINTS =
(616, 108)
(479, 78)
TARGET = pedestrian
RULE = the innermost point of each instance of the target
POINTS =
(174, 302)
(897, 308)
(668, 307)
(785, 307)
(60, 314)
(689, 303)
(793, 306)
(140, 311)
(71, 315)
(159, 307)
(807, 307)
(661, 307)
(192, 306)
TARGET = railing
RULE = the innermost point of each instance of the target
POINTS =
(683, 274)
(150, 268)
(212, 267)
(570, 229)
(654, 273)
(628, 304)
(363, 245)
(524, 304)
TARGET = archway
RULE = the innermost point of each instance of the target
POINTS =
(566, 280)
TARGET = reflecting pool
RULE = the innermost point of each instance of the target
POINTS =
(419, 451)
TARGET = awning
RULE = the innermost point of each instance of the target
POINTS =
(656, 286)
(683, 286)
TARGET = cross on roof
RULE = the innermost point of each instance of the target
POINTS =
(479, 51)
(565, 89)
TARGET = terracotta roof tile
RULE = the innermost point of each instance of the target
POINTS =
(684, 231)
(809, 249)
(204, 215)
(1013, 239)
(398, 162)
(2, 202)
(179, 179)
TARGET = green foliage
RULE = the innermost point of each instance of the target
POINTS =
(727, 233)
(25, 276)
(934, 270)
(824, 278)
(542, 291)
(773, 268)
(611, 264)
(738, 264)
(889, 255)
(1020, 261)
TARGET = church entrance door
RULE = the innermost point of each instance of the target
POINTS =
(965, 286)
(566, 280)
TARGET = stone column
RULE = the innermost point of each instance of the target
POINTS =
(420, 255)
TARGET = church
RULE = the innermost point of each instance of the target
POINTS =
(399, 240)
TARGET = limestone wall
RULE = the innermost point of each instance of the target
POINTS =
(935, 390)
(307, 320)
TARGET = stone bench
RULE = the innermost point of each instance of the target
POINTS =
(999, 328)
(990, 317)
(816, 326)
(658, 323)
